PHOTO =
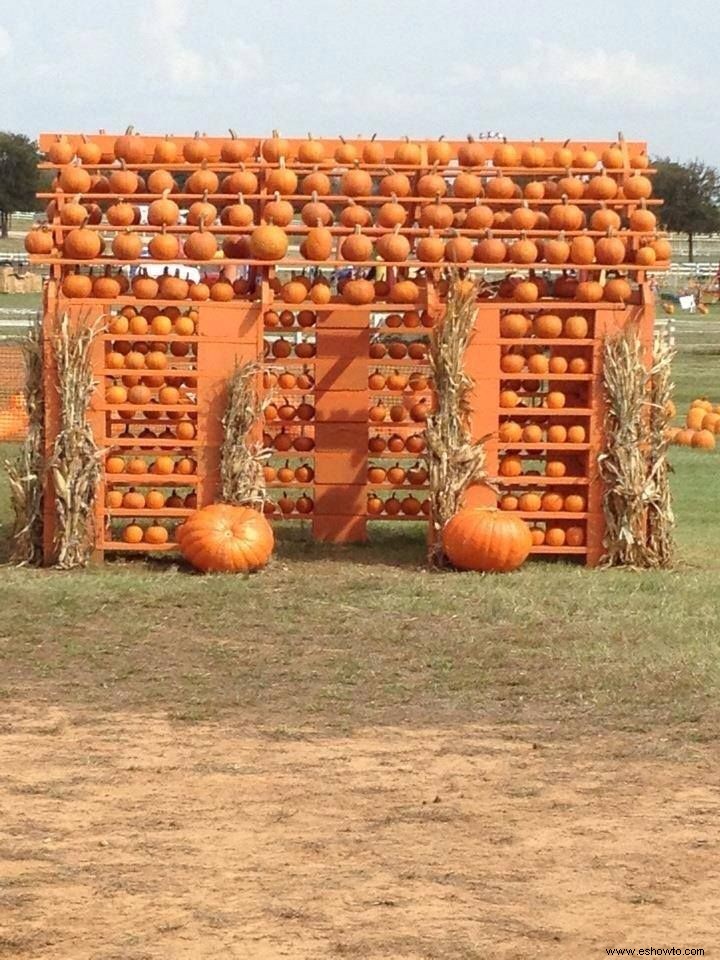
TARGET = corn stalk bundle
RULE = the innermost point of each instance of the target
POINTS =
(454, 459)
(241, 459)
(661, 519)
(633, 466)
(26, 474)
(76, 458)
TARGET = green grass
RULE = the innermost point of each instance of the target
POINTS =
(338, 638)
(20, 301)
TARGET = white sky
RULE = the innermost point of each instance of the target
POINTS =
(527, 69)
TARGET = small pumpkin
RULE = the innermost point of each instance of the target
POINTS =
(225, 538)
(39, 241)
(487, 540)
(274, 148)
(234, 150)
(82, 244)
(130, 147)
(268, 242)
(356, 248)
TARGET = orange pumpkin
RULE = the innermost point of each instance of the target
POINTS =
(225, 538)
(486, 540)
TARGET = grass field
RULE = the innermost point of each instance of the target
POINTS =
(405, 765)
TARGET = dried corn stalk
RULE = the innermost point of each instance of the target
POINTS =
(75, 464)
(661, 519)
(454, 459)
(26, 474)
(633, 466)
(241, 459)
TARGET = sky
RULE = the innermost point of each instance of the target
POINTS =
(527, 69)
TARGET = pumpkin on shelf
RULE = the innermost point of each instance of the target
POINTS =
(225, 538)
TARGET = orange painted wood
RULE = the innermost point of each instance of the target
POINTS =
(339, 529)
(340, 373)
(341, 468)
(341, 406)
(341, 500)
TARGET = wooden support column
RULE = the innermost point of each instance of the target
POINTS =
(341, 426)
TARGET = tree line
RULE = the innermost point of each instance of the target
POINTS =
(690, 191)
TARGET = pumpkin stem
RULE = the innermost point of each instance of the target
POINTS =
(373, 137)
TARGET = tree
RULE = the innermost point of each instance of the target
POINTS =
(18, 176)
(691, 192)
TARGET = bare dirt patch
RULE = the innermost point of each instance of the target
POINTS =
(128, 837)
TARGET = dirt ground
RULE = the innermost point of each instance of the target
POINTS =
(125, 837)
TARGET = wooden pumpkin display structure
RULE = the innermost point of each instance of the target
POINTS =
(562, 241)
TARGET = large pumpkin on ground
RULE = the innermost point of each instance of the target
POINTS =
(225, 538)
(484, 539)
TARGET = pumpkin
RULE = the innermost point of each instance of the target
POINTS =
(505, 155)
(313, 212)
(523, 251)
(268, 243)
(123, 181)
(566, 216)
(604, 219)
(703, 440)
(438, 215)
(469, 186)
(164, 246)
(499, 187)
(275, 148)
(240, 181)
(523, 218)
(225, 538)
(490, 249)
(408, 153)
(395, 183)
(346, 152)
(391, 214)
(356, 247)
(556, 250)
(281, 180)
(82, 244)
(316, 182)
(39, 241)
(61, 150)
(393, 247)
(200, 245)
(373, 151)
(356, 183)
(130, 147)
(165, 151)
(430, 249)
(106, 287)
(617, 290)
(222, 291)
(483, 539)
(234, 150)
(479, 217)
(203, 181)
(547, 326)
(533, 156)
(662, 248)
(74, 179)
(602, 187)
(527, 291)
(201, 212)
(637, 187)
(405, 291)
(459, 249)
(575, 327)
(353, 215)
(431, 185)
(317, 245)
(612, 157)
(610, 249)
(642, 219)
(163, 212)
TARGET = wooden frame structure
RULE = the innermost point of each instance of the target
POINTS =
(344, 339)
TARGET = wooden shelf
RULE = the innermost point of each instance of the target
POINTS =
(152, 479)
(542, 481)
(540, 446)
(161, 512)
(544, 550)
(118, 545)
(544, 412)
